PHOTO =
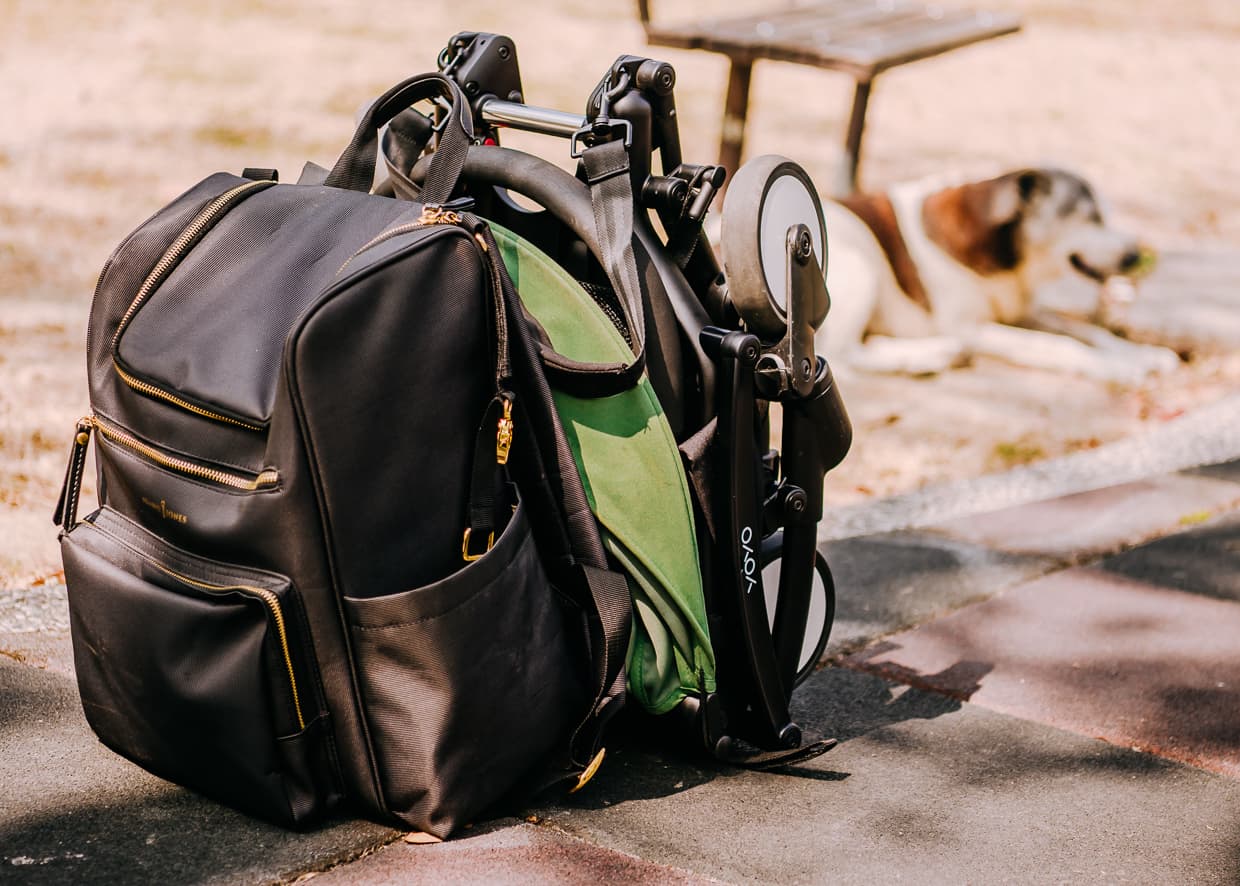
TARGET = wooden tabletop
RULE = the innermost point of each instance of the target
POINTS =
(862, 37)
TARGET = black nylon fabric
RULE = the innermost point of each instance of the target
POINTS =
(407, 493)
(197, 333)
(367, 385)
(463, 683)
(121, 279)
(244, 741)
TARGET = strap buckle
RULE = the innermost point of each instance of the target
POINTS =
(602, 127)
(466, 555)
(599, 131)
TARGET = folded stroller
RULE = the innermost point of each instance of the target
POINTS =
(398, 499)
(670, 427)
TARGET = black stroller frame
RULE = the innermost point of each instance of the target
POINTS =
(715, 359)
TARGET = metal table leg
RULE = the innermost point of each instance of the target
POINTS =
(735, 109)
(847, 181)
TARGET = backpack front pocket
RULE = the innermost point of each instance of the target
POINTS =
(467, 683)
(201, 672)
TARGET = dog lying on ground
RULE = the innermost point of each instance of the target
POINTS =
(934, 272)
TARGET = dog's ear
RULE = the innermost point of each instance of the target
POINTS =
(1031, 182)
(1003, 200)
(977, 223)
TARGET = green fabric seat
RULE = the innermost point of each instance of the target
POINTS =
(632, 473)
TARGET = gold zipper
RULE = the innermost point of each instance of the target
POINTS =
(268, 597)
(432, 214)
(160, 393)
(165, 264)
(262, 480)
(178, 247)
(273, 603)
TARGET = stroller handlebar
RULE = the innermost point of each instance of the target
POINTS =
(546, 121)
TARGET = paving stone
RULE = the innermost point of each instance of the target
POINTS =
(1085, 525)
(72, 811)
(1203, 561)
(1092, 652)
(517, 854)
(888, 582)
(924, 789)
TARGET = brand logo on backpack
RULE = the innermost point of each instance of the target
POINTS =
(750, 565)
(161, 507)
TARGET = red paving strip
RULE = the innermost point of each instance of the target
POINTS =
(1132, 664)
(1100, 521)
(510, 855)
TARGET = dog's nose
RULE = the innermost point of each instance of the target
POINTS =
(1129, 260)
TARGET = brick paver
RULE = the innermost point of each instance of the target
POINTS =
(1100, 654)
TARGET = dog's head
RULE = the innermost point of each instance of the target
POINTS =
(1041, 224)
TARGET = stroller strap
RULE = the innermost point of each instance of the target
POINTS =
(611, 198)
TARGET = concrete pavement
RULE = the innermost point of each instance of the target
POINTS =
(1044, 693)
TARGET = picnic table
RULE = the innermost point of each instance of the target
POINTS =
(862, 38)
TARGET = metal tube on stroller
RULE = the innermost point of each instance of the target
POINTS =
(546, 121)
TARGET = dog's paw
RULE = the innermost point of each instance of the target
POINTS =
(1159, 360)
(1136, 363)
(1137, 366)
(1129, 375)
(910, 356)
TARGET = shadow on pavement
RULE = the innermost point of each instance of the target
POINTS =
(895, 580)
(166, 835)
(922, 788)
(1203, 561)
(644, 764)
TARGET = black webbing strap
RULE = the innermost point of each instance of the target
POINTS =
(559, 496)
(611, 196)
(487, 477)
(614, 606)
(765, 760)
(406, 138)
(355, 169)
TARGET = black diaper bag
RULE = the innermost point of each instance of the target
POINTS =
(341, 553)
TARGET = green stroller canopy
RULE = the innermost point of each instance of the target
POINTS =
(631, 469)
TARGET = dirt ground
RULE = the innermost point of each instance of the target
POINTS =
(112, 109)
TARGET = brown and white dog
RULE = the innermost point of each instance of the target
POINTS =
(935, 271)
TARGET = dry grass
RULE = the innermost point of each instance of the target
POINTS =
(113, 109)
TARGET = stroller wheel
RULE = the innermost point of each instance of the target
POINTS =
(768, 195)
(821, 611)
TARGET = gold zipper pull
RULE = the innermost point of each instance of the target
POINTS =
(435, 214)
(503, 436)
(66, 507)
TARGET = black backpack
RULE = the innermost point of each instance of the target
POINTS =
(343, 552)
